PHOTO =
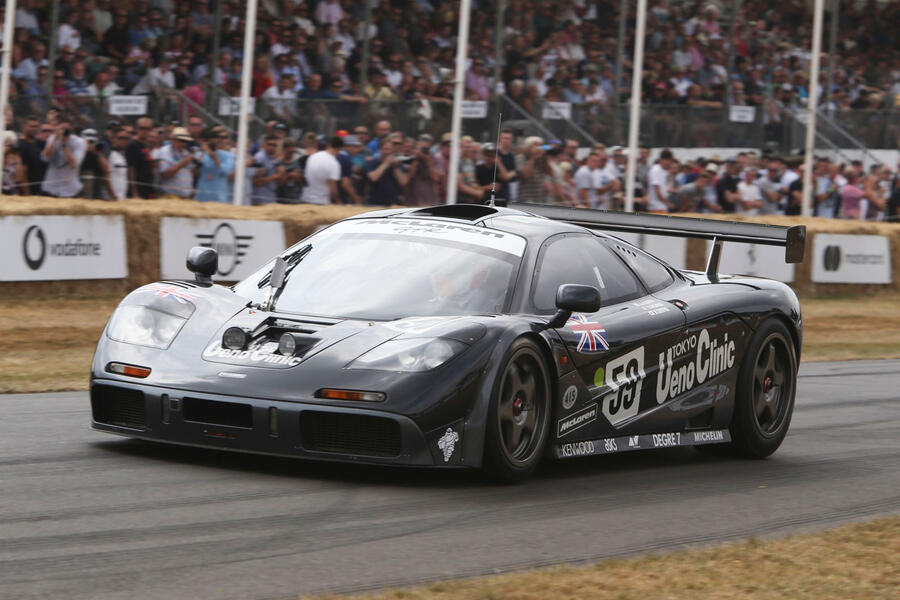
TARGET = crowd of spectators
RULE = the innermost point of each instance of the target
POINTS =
(562, 51)
(385, 167)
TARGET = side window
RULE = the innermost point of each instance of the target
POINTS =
(652, 272)
(584, 260)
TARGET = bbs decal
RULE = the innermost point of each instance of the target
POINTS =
(624, 376)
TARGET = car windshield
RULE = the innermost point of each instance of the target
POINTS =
(385, 269)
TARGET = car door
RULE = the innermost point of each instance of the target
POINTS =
(613, 349)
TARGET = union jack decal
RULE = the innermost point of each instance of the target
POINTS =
(591, 335)
(163, 290)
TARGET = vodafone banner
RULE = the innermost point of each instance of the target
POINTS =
(53, 247)
(243, 246)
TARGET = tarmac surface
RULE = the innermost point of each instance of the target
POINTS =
(86, 515)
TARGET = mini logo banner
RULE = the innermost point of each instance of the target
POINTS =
(591, 335)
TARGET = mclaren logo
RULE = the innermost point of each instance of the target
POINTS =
(230, 246)
(832, 258)
(34, 247)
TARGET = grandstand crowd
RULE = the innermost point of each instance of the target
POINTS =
(312, 50)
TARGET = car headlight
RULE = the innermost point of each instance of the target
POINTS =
(144, 326)
(409, 355)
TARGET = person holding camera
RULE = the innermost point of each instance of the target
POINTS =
(63, 154)
(176, 165)
(268, 172)
(422, 188)
(386, 175)
(94, 168)
(216, 166)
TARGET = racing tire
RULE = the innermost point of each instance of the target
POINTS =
(767, 386)
(518, 422)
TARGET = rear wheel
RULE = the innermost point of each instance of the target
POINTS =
(767, 385)
(519, 417)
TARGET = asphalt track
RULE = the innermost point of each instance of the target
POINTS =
(84, 515)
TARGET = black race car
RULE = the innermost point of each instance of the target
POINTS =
(461, 336)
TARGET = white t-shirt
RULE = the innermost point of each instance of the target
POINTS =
(62, 179)
(321, 168)
(118, 175)
(658, 176)
(748, 192)
(283, 101)
(584, 180)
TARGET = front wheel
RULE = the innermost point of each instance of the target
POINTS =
(519, 414)
(767, 385)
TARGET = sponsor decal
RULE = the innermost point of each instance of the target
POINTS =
(575, 449)
(577, 420)
(230, 246)
(652, 306)
(708, 437)
(591, 335)
(600, 377)
(447, 443)
(666, 440)
(624, 377)
(165, 291)
(832, 258)
(35, 248)
(711, 357)
(614, 445)
(569, 397)
(258, 355)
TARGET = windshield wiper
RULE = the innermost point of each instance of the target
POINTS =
(291, 260)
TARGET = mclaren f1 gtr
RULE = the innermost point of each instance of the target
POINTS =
(461, 336)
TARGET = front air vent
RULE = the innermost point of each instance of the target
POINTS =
(361, 435)
(213, 412)
(121, 407)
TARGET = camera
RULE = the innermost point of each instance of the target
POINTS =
(66, 132)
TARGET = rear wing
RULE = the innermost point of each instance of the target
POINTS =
(793, 239)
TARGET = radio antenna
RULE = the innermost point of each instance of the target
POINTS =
(496, 158)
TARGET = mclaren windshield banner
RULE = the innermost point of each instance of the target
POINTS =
(52, 247)
(243, 246)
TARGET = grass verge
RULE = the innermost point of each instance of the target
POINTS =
(852, 561)
(46, 345)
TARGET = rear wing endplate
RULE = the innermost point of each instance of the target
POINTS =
(793, 238)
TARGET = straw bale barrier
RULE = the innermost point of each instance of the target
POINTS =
(142, 224)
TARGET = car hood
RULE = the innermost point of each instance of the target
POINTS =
(326, 346)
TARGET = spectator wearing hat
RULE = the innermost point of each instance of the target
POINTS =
(176, 165)
(94, 168)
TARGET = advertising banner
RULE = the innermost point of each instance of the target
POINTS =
(52, 247)
(842, 258)
(243, 246)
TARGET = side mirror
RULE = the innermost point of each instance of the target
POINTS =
(571, 298)
(203, 263)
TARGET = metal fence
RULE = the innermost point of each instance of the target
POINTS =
(661, 125)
